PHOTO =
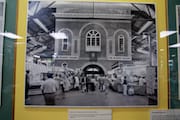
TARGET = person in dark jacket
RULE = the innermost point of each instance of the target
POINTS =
(27, 85)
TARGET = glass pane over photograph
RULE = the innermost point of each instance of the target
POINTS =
(91, 54)
(1, 41)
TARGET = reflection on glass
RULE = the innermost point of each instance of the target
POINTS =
(166, 33)
(178, 46)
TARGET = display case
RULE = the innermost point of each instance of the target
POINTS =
(174, 68)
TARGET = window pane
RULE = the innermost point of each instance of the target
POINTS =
(64, 44)
(91, 32)
(65, 40)
(75, 46)
(88, 34)
(93, 41)
(88, 42)
(121, 43)
(65, 47)
(97, 42)
(95, 32)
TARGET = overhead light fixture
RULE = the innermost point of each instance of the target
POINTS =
(58, 35)
(145, 26)
(166, 33)
(134, 38)
(40, 24)
(175, 45)
(140, 50)
(36, 56)
(11, 35)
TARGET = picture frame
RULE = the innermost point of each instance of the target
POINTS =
(100, 54)
(2, 17)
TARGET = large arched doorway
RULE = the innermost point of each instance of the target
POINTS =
(93, 69)
(92, 72)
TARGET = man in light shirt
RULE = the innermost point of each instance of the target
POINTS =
(49, 89)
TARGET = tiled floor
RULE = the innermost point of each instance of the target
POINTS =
(96, 98)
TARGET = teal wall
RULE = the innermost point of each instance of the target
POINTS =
(173, 74)
(6, 109)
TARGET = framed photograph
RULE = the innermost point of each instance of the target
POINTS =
(91, 54)
(2, 15)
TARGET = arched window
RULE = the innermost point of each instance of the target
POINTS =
(64, 40)
(93, 41)
(121, 43)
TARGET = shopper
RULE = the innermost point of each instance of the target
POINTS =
(49, 89)
(101, 83)
(125, 86)
(84, 83)
(27, 84)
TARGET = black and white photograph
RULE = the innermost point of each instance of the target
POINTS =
(91, 54)
(1, 40)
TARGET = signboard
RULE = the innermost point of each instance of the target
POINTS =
(173, 114)
(89, 114)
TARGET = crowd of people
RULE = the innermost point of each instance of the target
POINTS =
(62, 82)
(81, 81)
(67, 81)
